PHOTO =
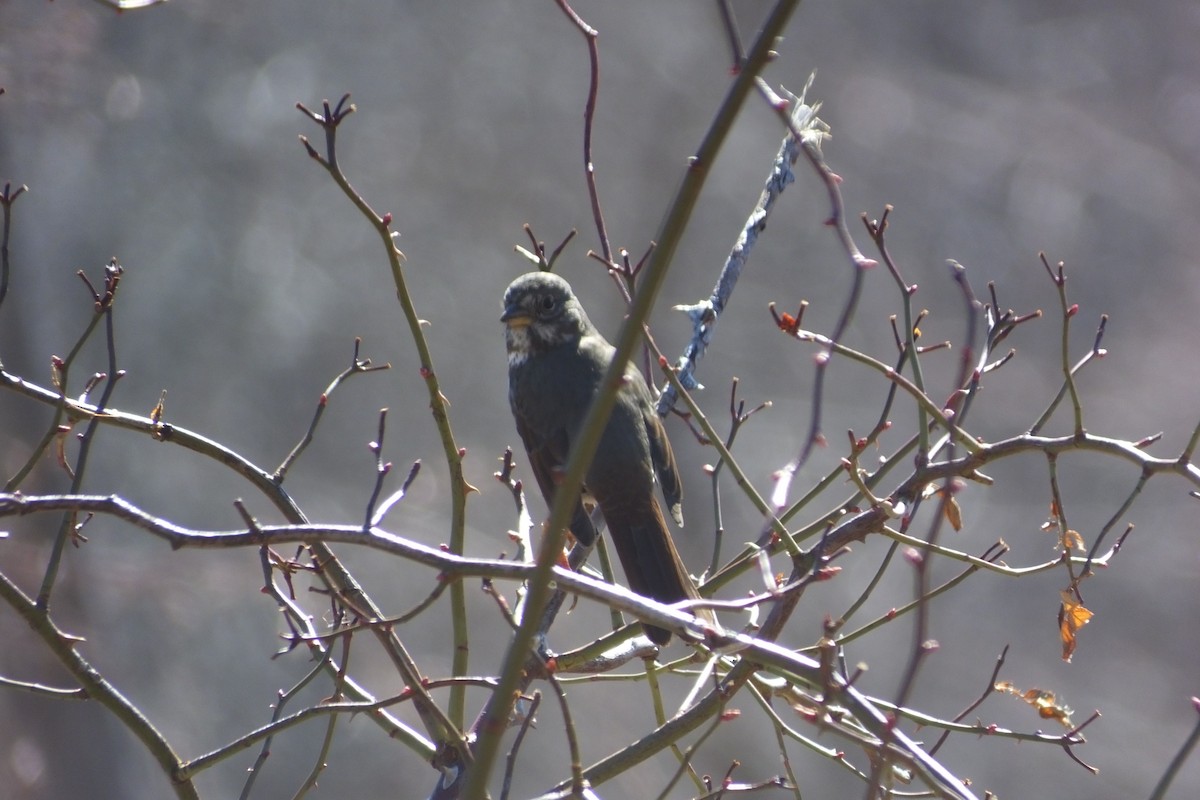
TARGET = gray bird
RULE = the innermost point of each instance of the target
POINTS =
(556, 364)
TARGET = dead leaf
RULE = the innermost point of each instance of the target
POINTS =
(1072, 616)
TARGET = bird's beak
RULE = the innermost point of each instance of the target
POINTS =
(516, 317)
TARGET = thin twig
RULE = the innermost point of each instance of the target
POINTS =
(510, 762)
(589, 115)
(988, 691)
(66, 529)
(447, 726)
(8, 196)
(357, 365)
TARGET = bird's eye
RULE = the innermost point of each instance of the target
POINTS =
(546, 303)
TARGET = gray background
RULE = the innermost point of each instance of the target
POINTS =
(168, 138)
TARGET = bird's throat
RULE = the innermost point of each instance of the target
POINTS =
(516, 340)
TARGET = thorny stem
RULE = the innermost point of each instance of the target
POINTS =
(1059, 279)
(320, 761)
(922, 643)
(511, 761)
(329, 120)
(284, 697)
(878, 230)
(988, 691)
(65, 649)
(62, 368)
(964, 438)
(743, 481)
(887, 618)
(357, 365)
(859, 263)
(66, 529)
(738, 416)
(589, 114)
(332, 570)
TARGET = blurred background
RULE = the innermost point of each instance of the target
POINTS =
(168, 138)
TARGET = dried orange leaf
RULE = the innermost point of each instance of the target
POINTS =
(1045, 702)
(1071, 617)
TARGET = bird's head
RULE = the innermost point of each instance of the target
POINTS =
(540, 314)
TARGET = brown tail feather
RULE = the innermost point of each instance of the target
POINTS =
(648, 555)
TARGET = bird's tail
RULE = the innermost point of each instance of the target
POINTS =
(652, 564)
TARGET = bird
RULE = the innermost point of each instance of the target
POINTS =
(557, 361)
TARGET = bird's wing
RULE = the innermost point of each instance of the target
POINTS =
(547, 457)
(664, 464)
